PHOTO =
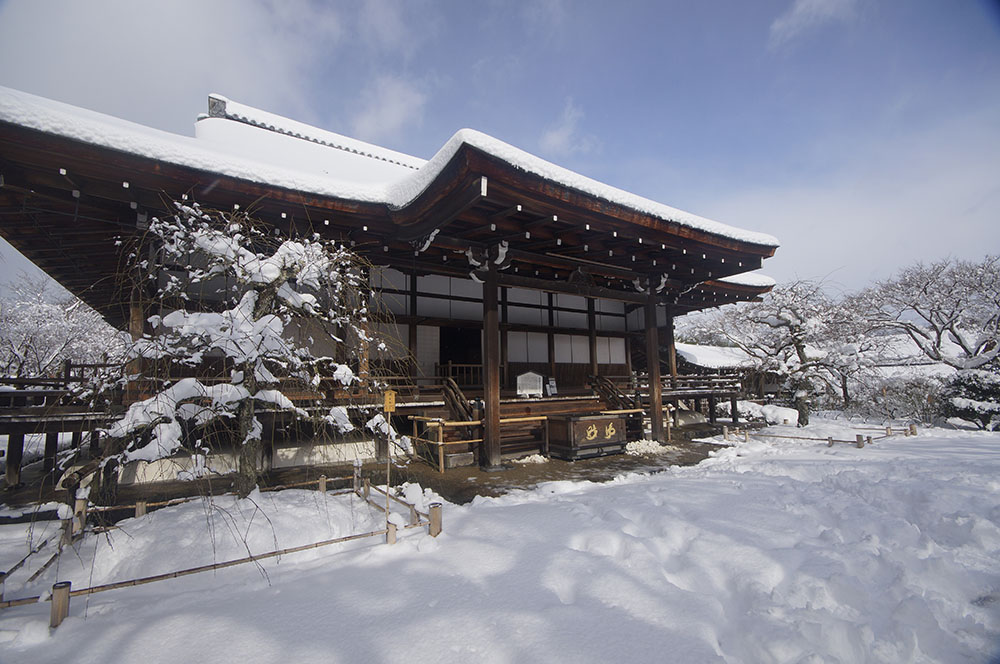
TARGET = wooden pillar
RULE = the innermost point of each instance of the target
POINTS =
(552, 340)
(490, 458)
(136, 328)
(628, 354)
(671, 347)
(412, 311)
(592, 335)
(504, 374)
(15, 452)
(711, 408)
(51, 449)
(734, 410)
(653, 360)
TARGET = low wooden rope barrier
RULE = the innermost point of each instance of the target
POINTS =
(61, 591)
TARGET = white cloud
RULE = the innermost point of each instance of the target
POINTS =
(155, 62)
(565, 138)
(388, 105)
(925, 194)
(804, 15)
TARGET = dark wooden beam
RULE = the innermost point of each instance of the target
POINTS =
(490, 458)
(653, 362)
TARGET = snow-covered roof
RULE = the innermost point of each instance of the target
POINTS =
(714, 357)
(752, 279)
(246, 143)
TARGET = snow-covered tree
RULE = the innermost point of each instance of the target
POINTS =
(242, 311)
(950, 309)
(42, 325)
(798, 332)
(973, 395)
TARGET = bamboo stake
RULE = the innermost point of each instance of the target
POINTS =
(434, 527)
(60, 603)
(79, 515)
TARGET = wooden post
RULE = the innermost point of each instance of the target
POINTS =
(592, 334)
(322, 483)
(490, 458)
(440, 446)
(671, 348)
(653, 362)
(140, 508)
(3, 578)
(725, 433)
(67, 533)
(551, 339)
(860, 440)
(95, 440)
(829, 441)
(414, 516)
(913, 429)
(390, 534)
(412, 311)
(746, 435)
(15, 452)
(736, 411)
(79, 515)
(504, 374)
(868, 440)
(888, 431)
(60, 603)
(78, 437)
(51, 450)
(357, 475)
(711, 408)
(434, 513)
(366, 491)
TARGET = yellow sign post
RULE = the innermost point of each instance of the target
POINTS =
(390, 402)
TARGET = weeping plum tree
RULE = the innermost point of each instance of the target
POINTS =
(229, 294)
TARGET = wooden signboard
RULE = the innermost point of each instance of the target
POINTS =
(390, 402)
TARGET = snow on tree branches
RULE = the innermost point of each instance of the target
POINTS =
(950, 309)
(247, 315)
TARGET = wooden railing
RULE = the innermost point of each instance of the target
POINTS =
(466, 375)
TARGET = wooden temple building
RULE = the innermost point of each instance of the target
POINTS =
(494, 263)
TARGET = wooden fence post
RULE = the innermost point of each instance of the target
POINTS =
(140, 508)
(366, 491)
(434, 513)
(860, 441)
(390, 533)
(913, 429)
(868, 440)
(829, 441)
(322, 483)
(888, 431)
(725, 433)
(79, 515)
(60, 603)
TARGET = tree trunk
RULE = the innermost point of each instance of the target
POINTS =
(843, 390)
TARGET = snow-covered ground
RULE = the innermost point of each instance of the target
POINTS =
(770, 551)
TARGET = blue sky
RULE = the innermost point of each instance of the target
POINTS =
(863, 133)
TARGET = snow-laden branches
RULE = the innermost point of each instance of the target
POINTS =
(950, 309)
(250, 315)
(41, 325)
